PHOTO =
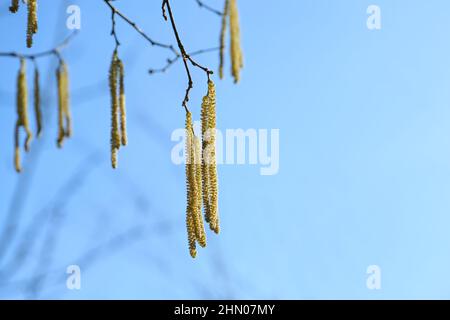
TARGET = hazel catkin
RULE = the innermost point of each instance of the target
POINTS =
(22, 115)
(32, 24)
(223, 30)
(235, 42)
(118, 108)
(64, 115)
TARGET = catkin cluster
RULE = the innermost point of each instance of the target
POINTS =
(118, 109)
(32, 24)
(194, 219)
(22, 115)
(201, 174)
(64, 117)
(231, 15)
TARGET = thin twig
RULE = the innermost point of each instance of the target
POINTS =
(185, 56)
(207, 7)
(170, 62)
(137, 28)
(55, 51)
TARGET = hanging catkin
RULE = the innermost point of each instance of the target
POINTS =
(32, 24)
(14, 6)
(22, 115)
(209, 167)
(117, 92)
(37, 103)
(199, 227)
(115, 136)
(223, 31)
(190, 186)
(64, 117)
(123, 113)
(235, 42)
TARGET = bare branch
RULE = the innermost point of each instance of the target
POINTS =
(55, 51)
(115, 11)
(207, 7)
(170, 62)
(186, 57)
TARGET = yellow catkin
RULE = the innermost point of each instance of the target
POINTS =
(115, 134)
(14, 6)
(235, 43)
(64, 116)
(190, 186)
(209, 168)
(223, 31)
(32, 21)
(22, 114)
(60, 138)
(66, 100)
(191, 235)
(122, 107)
(213, 180)
(199, 227)
(37, 103)
(17, 161)
(205, 158)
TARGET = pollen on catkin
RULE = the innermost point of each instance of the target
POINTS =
(14, 6)
(223, 31)
(37, 103)
(122, 107)
(117, 92)
(22, 114)
(115, 135)
(190, 186)
(32, 24)
(64, 116)
(199, 227)
(17, 161)
(209, 167)
(235, 42)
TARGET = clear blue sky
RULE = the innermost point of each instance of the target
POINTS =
(364, 179)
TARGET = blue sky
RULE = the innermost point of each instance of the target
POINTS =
(364, 173)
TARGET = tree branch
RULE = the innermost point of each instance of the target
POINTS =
(55, 51)
(115, 11)
(170, 62)
(186, 57)
(207, 7)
